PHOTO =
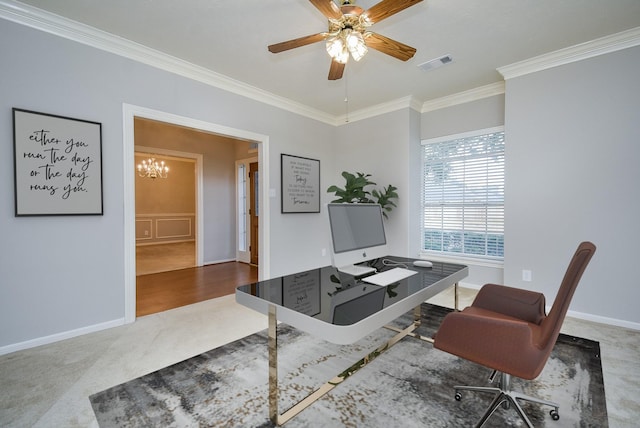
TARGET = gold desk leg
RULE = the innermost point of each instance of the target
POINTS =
(455, 296)
(317, 394)
(417, 320)
(273, 364)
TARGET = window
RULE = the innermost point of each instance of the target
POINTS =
(463, 195)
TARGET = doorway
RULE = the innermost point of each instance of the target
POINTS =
(262, 142)
(166, 208)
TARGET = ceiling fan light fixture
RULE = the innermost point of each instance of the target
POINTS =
(347, 34)
(343, 57)
(337, 49)
(334, 46)
(347, 41)
(356, 45)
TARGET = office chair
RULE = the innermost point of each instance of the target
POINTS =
(506, 329)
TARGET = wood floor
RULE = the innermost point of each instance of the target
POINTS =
(167, 290)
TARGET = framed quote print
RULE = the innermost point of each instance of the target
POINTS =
(300, 178)
(57, 165)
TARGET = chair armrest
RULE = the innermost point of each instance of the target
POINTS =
(526, 305)
(501, 344)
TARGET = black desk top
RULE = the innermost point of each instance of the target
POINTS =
(340, 299)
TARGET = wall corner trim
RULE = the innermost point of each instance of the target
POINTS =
(474, 94)
(604, 45)
(38, 19)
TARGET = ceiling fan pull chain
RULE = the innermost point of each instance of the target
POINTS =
(346, 96)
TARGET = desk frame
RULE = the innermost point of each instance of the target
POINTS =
(280, 419)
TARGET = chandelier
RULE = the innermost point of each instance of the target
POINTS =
(150, 168)
(347, 34)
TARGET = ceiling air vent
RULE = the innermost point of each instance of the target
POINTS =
(435, 63)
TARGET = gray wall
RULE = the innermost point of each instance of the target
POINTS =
(471, 116)
(61, 275)
(380, 146)
(66, 274)
(572, 174)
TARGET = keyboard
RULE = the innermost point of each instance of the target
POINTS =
(390, 276)
(356, 270)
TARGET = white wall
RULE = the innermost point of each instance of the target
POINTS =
(66, 274)
(572, 174)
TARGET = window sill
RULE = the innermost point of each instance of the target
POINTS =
(497, 264)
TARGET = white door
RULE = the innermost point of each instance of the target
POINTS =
(243, 207)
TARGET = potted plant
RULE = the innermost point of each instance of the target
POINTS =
(355, 191)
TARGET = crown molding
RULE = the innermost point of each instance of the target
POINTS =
(33, 17)
(378, 109)
(72, 30)
(48, 22)
(601, 46)
(474, 94)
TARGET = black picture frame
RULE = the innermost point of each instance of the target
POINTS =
(57, 165)
(300, 184)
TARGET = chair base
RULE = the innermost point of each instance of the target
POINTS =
(506, 397)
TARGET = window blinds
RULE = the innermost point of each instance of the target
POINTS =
(463, 195)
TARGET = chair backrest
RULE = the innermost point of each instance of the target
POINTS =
(553, 322)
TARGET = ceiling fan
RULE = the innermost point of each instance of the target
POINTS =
(348, 33)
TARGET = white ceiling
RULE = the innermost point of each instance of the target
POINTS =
(231, 37)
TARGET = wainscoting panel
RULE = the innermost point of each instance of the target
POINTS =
(144, 229)
(163, 228)
(173, 228)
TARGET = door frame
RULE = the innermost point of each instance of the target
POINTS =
(129, 112)
(243, 256)
(197, 157)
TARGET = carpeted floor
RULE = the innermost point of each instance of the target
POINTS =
(411, 385)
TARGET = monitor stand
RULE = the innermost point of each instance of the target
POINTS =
(356, 270)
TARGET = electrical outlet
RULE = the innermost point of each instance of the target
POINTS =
(324, 252)
(526, 275)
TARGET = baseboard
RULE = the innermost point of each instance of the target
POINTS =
(581, 315)
(216, 262)
(118, 322)
(470, 286)
(603, 320)
(175, 241)
(60, 336)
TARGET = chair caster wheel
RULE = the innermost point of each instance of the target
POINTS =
(554, 414)
(458, 396)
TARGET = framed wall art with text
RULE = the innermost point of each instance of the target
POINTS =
(57, 165)
(300, 178)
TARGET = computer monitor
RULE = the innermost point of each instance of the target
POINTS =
(357, 235)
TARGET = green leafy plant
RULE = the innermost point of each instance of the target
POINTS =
(355, 191)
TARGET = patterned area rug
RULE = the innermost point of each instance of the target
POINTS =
(410, 385)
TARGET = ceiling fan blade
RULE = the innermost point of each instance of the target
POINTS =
(386, 8)
(389, 46)
(336, 70)
(328, 8)
(296, 43)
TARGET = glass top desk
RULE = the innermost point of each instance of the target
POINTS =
(342, 309)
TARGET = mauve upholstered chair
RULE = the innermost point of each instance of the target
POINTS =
(506, 329)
